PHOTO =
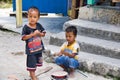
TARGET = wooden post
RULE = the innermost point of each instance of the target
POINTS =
(75, 8)
(18, 13)
(81, 3)
(73, 11)
(115, 0)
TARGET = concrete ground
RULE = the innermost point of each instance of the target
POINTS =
(12, 58)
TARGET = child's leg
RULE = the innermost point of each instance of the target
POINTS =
(72, 72)
(32, 75)
(61, 61)
(31, 66)
(73, 64)
(65, 69)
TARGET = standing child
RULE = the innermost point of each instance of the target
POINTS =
(31, 34)
(68, 56)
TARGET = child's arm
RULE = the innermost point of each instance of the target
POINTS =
(35, 33)
(26, 37)
(41, 31)
(41, 34)
(67, 54)
(57, 54)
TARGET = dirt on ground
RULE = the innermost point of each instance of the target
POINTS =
(12, 57)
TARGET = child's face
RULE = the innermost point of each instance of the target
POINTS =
(70, 37)
(33, 17)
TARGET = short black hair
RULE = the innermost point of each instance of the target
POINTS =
(71, 29)
(34, 8)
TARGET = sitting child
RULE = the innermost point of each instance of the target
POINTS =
(68, 56)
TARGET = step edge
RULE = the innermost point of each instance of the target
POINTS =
(100, 26)
(79, 39)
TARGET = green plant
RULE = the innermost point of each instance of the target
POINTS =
(5, 3)
(116, 78)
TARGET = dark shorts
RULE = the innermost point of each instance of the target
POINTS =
(33, 61)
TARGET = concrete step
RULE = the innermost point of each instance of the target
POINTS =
(95, 63)
(91, 45)
(102, 14)
(95, 29)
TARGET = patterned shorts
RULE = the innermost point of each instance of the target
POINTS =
(33, 61)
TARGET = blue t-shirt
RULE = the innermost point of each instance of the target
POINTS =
(34, 45)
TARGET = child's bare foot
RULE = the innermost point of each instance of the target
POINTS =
(71, 75)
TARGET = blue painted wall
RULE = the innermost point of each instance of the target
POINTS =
(45, 6)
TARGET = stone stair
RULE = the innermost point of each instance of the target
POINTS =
(95, 29)
(100, 47)
(102, 14)
(92, 45)
(95, 63)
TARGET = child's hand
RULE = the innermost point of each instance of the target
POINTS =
(36, 32)
(39, 33)
(57, 54)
